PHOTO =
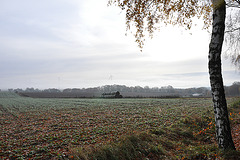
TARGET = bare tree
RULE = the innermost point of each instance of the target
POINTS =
(145, 15)
(232, 32)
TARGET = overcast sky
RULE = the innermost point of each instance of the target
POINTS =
(82, 43)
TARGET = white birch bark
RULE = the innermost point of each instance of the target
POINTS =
(223, 130)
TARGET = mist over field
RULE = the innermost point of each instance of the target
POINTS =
(124, 91)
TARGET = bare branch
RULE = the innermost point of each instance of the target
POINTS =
(233, 4)
(233, 30)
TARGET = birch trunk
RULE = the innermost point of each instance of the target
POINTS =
(223, 130)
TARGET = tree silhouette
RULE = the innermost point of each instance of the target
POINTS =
(147, 14)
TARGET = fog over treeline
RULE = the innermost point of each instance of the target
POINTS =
(126, 92)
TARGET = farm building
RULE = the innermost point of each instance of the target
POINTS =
(112, 95)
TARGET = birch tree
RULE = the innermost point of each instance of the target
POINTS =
(222, 125)
(148, 15)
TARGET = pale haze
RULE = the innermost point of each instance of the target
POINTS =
(82, 43)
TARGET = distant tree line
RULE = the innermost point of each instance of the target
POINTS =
(233, 90)
(136, 91)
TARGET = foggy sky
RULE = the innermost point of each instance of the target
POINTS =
(82, 43)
